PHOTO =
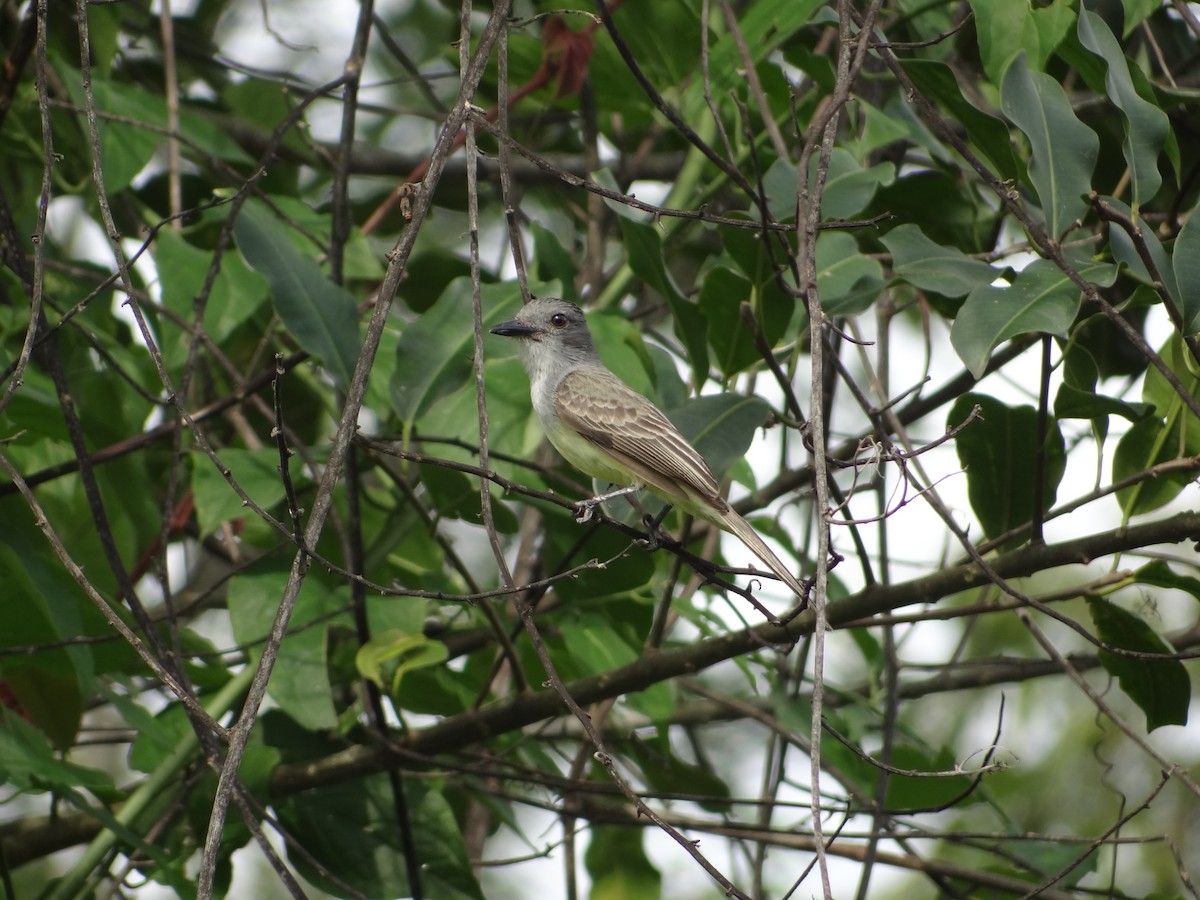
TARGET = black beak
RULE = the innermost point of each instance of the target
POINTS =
(513, 328)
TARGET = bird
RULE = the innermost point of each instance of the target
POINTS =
(609, 431)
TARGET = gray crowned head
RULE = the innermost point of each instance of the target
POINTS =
(550, 326)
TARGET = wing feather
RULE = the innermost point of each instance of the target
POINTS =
(614, 417)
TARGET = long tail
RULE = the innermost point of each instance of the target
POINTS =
(735, 524)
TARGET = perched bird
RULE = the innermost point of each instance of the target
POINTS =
(611, 432)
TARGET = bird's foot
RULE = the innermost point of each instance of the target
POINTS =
(585, 509)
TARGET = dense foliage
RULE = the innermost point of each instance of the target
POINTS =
(285, 561)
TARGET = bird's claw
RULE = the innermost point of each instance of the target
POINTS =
(584, 510)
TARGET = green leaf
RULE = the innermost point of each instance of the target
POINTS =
(644, 250)
(1049, 856)
(1185, 263)
(1077, 398)
(316, 312)
(848, 186)
(664, 771)
(125, 149)
(127, 141)
(764, 28)
(998, 451)
(879, 128)
(236, 295)
(300, 679)
(359, 259)
(625, 579)
(1160, 687)
(721, 297)
(433, 355)
(46, 609)
(255, 471)
(400, 653)
(907, 792)
(1136, 12)
(1146, 126)
(618, 864)
(554, 262)
(1147, 444)
(961, 221)
(935, 267)
(157, 735)
(1064, 149)
(848, 281)
(1041, 299)
(1124, 250)
(989, 135)
(350, 832)
(779, 310)
(1167, 402)
(429, 275)
(1159, 574)
(52, 700)
(29, 764)
(593, 645)
(1015, 28)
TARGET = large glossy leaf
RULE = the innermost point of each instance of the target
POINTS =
(847, 280)
(1147, 444)
(1077, 397)
(998, 452)
(1146, 126)
(1137, 11)
(316, 312)
(935, 267)
(908, 792)
(849, 186)
(1158, 574)
(255, 471)
(732, 343)
(236, 295)
(398, 653)
(593, 645)
(1185, 264)
(757, 260)
(1041, 299)
(764, 27)
(1172, 432)
(619, 866)
(29, 763)
(1160, 687)
(49, 686)
(667, 773)
(1125, 251)
(644, 250)
(300, 679)
(350, 832)
(1017, 27)
(1064, 149)
(433, 355)
(989, 135)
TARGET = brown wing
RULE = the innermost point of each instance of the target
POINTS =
(613, 416)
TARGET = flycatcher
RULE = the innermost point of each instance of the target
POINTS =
(611, 432)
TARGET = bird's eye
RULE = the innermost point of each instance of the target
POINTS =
(558, 320)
